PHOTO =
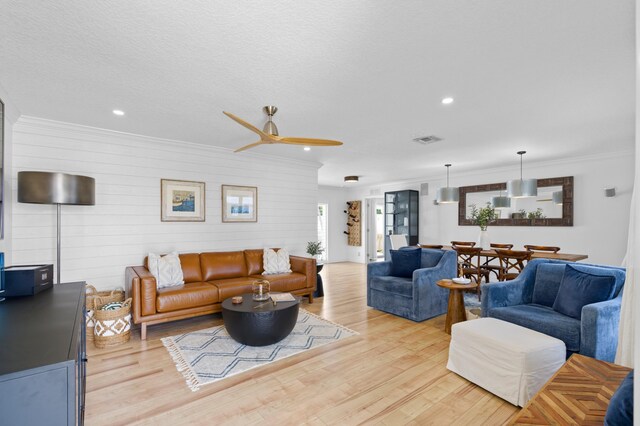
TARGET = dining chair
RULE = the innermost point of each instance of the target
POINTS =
(552, 249)
(469, 265)
(512, 262)
(496, 269)
(431, 246)
(463, 243)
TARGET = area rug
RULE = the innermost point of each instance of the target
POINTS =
(207, 356)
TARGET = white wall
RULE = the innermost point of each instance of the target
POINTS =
(600, 223)
(99, 241)
(11, 116)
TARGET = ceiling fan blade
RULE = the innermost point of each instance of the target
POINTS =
(249, 126)
(251, 146)
(308, 141)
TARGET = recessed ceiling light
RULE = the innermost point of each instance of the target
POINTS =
(307, 148)
(447, 101)
(118, 112)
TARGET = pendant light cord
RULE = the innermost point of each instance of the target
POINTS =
(520, 153)
(520, 166)
(447, 166)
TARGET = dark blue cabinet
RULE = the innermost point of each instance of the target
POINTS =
(43, 357)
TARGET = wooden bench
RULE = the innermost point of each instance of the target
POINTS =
(578, 393)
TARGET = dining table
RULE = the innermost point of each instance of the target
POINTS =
(491, 253)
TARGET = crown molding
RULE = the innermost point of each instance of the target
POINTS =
(479, 172)
(45, 127)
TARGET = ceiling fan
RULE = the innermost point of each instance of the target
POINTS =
(269, 134)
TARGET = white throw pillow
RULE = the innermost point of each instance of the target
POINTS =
(166, 269)
(276, 262)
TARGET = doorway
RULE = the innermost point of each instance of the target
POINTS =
(323, 231)
(375, 230)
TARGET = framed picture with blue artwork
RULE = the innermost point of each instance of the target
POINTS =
(239, 203)
(181, 201)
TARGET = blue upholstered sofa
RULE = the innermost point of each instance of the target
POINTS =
(417, 298)
(529, 299)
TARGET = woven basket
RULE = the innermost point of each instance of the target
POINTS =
(116, 295)
(111, 328)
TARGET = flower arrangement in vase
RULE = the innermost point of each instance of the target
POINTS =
(483, 217)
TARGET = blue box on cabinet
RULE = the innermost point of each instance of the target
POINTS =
(27, 280)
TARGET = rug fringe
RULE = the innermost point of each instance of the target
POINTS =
(181, 364)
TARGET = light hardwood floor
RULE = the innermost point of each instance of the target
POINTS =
(393, 373)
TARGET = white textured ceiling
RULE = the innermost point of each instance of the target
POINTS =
(553, 77)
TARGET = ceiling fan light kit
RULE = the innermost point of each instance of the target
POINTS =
(448, 194)
(520, 188)
(269, 134)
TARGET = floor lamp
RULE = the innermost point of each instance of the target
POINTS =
(58, 189)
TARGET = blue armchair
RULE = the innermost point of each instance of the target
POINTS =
(417, 298)
(528, 301)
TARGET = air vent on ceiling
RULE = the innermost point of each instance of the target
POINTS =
(426, 140)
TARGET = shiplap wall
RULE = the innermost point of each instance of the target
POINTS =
(99, 241)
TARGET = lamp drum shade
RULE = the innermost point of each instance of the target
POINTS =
(56, 188)
(518, 188)
(448, 194)
(501, 202)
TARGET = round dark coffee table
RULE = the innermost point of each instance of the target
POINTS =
(261, 326)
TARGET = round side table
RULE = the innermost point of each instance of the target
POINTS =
(319, 288)
(455, 309)
(259, 323)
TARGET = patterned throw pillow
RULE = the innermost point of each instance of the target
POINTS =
(166, 269)
(276, 262)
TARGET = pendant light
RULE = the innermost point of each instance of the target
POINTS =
(557, 197)
(519, 188)
(449, 194)
(501, 202)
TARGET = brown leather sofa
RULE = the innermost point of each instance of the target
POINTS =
(209, 279)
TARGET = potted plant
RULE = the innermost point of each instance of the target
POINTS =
(483, 217)
(314, 248)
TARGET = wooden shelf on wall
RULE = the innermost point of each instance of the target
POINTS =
(354, 231)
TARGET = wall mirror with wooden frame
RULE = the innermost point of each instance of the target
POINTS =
(552, 207)
(1, 169)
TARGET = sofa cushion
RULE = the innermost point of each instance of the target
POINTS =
(618, 273)
(430, 257)
(191, 267)
(543, 319)
(547, 283)
(405, 261)
(578, 289)
(186, 296)
(285, 282)
(253, 258)
(233, 286)
(166, 269)
(276, 261)
(620, 410)
(222, 265)
(396, 285)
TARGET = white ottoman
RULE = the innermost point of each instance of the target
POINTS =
(509, 361)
